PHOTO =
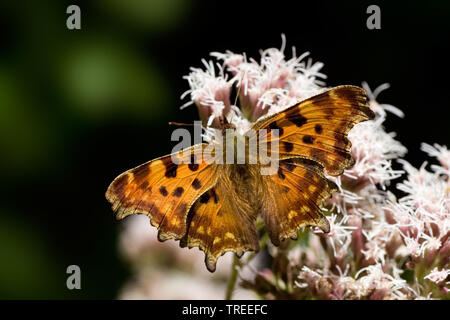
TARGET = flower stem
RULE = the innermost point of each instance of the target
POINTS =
(233, 278)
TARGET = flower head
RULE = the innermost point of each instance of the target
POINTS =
(374, 236)
(264, 87)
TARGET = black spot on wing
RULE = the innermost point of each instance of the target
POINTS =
(274, 126)
(308, 139)
(204, 198)
(193, 166)
(196, 184)
(178, 192)
(163, 191)
(287, 146)
(296, 118)
(171, 168)
(318, 128)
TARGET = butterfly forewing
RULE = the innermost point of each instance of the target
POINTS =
(317, 128)
(163, 190)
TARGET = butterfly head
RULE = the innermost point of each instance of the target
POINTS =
(225, 124)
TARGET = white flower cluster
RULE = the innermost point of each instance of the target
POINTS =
(371, 281)
(263, 88)
(378, 235)
(378, 247)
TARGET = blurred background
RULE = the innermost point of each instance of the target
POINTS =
(78, 107)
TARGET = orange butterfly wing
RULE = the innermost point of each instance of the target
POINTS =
(220, 221)
(317, 128)
(312, 136)
(294, 197)
(163, 190)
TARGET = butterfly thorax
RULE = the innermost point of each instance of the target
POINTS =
(242, 183)
(239, 148)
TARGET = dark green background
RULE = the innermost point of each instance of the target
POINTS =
(79, 107)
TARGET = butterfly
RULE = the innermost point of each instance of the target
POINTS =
(215, 206)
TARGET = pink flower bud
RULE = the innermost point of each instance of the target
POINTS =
(378, 294)
(357, 236)
(444, 252)
(218, 105)
(430, 256)
(250, 104)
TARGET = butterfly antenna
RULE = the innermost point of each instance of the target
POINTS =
(172, 123)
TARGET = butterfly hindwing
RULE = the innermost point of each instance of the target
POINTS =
(222, 219)
(163, 190)
(293, 198)
(317, 128)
